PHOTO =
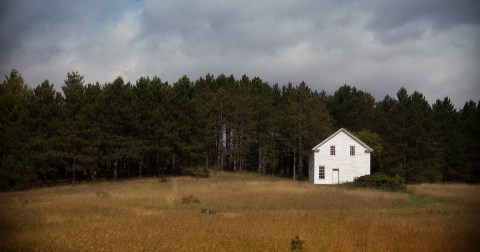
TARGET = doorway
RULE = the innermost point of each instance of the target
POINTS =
(335, 177)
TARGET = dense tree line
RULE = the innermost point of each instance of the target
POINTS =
(152, 127)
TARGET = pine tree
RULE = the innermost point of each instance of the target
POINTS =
(16, 168)
(447, 139)
(352, 108)
(44, 120)
(468, 127)
(406, 125)
(80, 129)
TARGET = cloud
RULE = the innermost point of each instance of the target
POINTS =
(440, 14)
(378, 46)
(395, 21)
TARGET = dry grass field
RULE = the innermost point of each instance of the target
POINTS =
(252, 214)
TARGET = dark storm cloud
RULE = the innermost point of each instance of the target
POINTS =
(440, 14)
(378, 46)
(395, 21)
(239, 25)
(27, 20)
(35, 32)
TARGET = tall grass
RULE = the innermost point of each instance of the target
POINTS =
(254, 213)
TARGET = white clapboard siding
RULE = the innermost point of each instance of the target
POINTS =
(348, 166)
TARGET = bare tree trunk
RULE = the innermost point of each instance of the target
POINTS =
(220, 149)
(94, 176)
(220, 139)
(286, 164)
(240, 158)
(158, 165)
(219, 156)
(273, 158)
(235, 159)
(264, 158)
(235, 152)
(259, 159)
(228, 147)
(405, 164)
(115, 170)
(294, 165)
(241, 155)
(74, 164)
(206, 163)
(300, 159)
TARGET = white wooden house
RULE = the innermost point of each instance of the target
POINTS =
(339, 158)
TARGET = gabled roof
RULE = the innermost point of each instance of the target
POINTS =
(368, 149)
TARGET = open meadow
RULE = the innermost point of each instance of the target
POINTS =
(246, 213)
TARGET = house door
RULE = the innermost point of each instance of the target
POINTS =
(335, 178)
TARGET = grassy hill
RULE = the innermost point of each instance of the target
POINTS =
(239, 212)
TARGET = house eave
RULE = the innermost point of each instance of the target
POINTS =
(367, 148)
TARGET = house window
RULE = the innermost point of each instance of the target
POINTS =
(332, 150)
(321, 172)
(352, 150)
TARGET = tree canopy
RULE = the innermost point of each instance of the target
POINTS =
(120, 129)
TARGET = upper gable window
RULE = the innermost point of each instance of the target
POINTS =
(332, 150)
(352, 150)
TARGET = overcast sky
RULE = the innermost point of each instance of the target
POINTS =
(376, 45)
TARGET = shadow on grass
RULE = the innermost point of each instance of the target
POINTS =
(419, 200)
(416, 200)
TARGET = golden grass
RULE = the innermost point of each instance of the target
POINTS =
(253, 214)
(460, 193)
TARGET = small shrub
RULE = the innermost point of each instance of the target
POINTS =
(208, 211)
(198, 172)
(190, 199)
(380, 181)
(24, 202)
(297, 244)
(102, 194)
(302, 177)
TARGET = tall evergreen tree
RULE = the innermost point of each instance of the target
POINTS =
(44, 142)
(187, 148)
(406, 125)
(352, 109)
(74, 123)
(447, 139)
(16, 169)
(118, 126)
(469, 130)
